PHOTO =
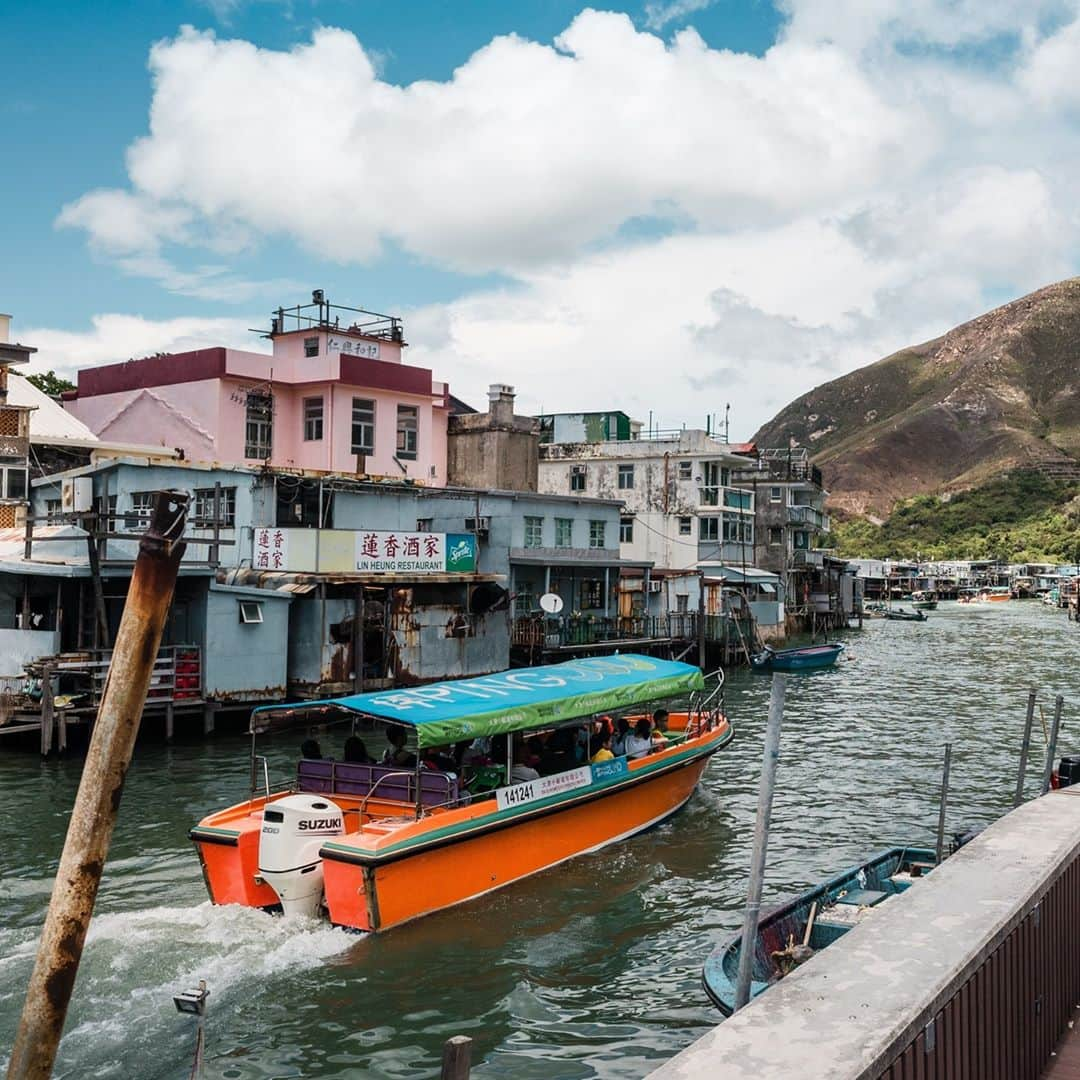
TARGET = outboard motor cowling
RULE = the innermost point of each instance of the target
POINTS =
(294, 828)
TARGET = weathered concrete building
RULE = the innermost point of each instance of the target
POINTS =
(495, 450)
(681, 508)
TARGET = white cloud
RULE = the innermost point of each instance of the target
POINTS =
(530, 152)
(114, 338)
(875, 177)
(658, 15)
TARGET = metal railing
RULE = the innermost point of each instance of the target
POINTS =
(537, 631)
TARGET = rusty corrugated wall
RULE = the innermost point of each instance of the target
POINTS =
(1005, 1020)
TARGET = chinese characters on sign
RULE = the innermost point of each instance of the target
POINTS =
(367, 349)
(413, 552)
(271, 549)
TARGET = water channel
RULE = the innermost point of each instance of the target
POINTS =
(590, 969)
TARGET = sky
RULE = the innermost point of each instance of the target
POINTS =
(664, 208)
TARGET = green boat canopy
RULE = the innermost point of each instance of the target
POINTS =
(523, 699)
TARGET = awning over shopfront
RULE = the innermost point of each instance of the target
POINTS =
(739, 575)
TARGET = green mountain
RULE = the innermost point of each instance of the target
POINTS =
(992, 397)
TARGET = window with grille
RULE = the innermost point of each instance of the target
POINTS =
(686, 526)
(259, 425)
(626, 476)
(313, 419)
(709, 528)
(577, 478)
(311, 346)
(142, 506)
(686, 470)
(54, 509)
(363, 426)
(204, 507)
(564, 532)
(626, 530)
(408, 419)
(534, 532)
(424, 524)
(596, 534)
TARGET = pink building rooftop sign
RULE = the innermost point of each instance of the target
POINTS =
(334, 395)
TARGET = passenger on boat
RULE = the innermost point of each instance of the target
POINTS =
(618, 740)
(604, 753)
(534, 751)
(355, 751)
(438, 758)
(659, 731)
(311, 749)
(639, 741)
(521, 773)
(395, 753)
(559, 752)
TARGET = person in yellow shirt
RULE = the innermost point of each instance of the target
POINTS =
(604, 753)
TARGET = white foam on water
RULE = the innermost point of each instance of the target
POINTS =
(134, 961)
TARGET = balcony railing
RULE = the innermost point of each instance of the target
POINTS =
(809, 516)
(538, 632)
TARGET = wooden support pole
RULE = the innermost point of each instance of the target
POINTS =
(702, 662)
(940, 850)
(48, 714)
(170, 717)
(208, 719)
(456, 1058)
(1051, 749)
(761, 839)
(1025, 747)
(98, 800)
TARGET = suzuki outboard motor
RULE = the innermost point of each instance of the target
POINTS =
(294, 828)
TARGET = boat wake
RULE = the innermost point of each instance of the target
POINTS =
(122, 1021)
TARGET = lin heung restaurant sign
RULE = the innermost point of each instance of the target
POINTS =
(415, 552)
(369, 551)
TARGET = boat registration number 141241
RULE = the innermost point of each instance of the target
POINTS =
(533, 790)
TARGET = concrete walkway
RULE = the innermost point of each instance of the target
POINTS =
(854, 1008)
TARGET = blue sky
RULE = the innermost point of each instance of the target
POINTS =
(750, 199)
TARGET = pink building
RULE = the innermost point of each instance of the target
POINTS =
(334, 395)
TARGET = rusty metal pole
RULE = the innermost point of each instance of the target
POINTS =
(98, 798)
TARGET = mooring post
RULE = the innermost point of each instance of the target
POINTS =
(1025, 746)
(456, 1058)
(94, 813)
(1051, 748)
(761, 839)
(940, 851)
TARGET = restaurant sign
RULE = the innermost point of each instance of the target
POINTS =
(415, 552)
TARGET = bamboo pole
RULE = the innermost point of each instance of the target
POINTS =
(98, 798)
(761, 839)
(1025, 747)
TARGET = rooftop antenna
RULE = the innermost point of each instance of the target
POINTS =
(727, 422)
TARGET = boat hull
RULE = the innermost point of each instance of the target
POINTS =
(378, 891)
(396, 868)
(810, 658)
(788, 920)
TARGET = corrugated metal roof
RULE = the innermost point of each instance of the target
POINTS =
(48, 420)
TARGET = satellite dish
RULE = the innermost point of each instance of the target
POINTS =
(552, 603)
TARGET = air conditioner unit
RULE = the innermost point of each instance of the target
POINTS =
(77, 495)
(577, 470)
(481, 526)
(656, 586)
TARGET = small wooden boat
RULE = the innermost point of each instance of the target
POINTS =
(371, 845)
(804, 658)
(924, 601)
(997, 594)
(791, 933)
(900, 615)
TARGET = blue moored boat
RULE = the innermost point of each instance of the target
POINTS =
(829, 910)
(804, 658)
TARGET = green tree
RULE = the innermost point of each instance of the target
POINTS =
(50, 383)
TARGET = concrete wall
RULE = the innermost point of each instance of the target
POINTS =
(19, 647)
(499, 459)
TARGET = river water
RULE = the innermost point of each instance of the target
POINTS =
(590, 969)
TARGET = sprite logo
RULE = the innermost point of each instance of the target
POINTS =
(460, 553)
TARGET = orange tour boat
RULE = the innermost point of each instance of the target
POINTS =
(481, 783)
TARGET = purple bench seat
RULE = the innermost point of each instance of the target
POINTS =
(323, 777)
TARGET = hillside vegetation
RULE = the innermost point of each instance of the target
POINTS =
(1021, 517)
(997, 394)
